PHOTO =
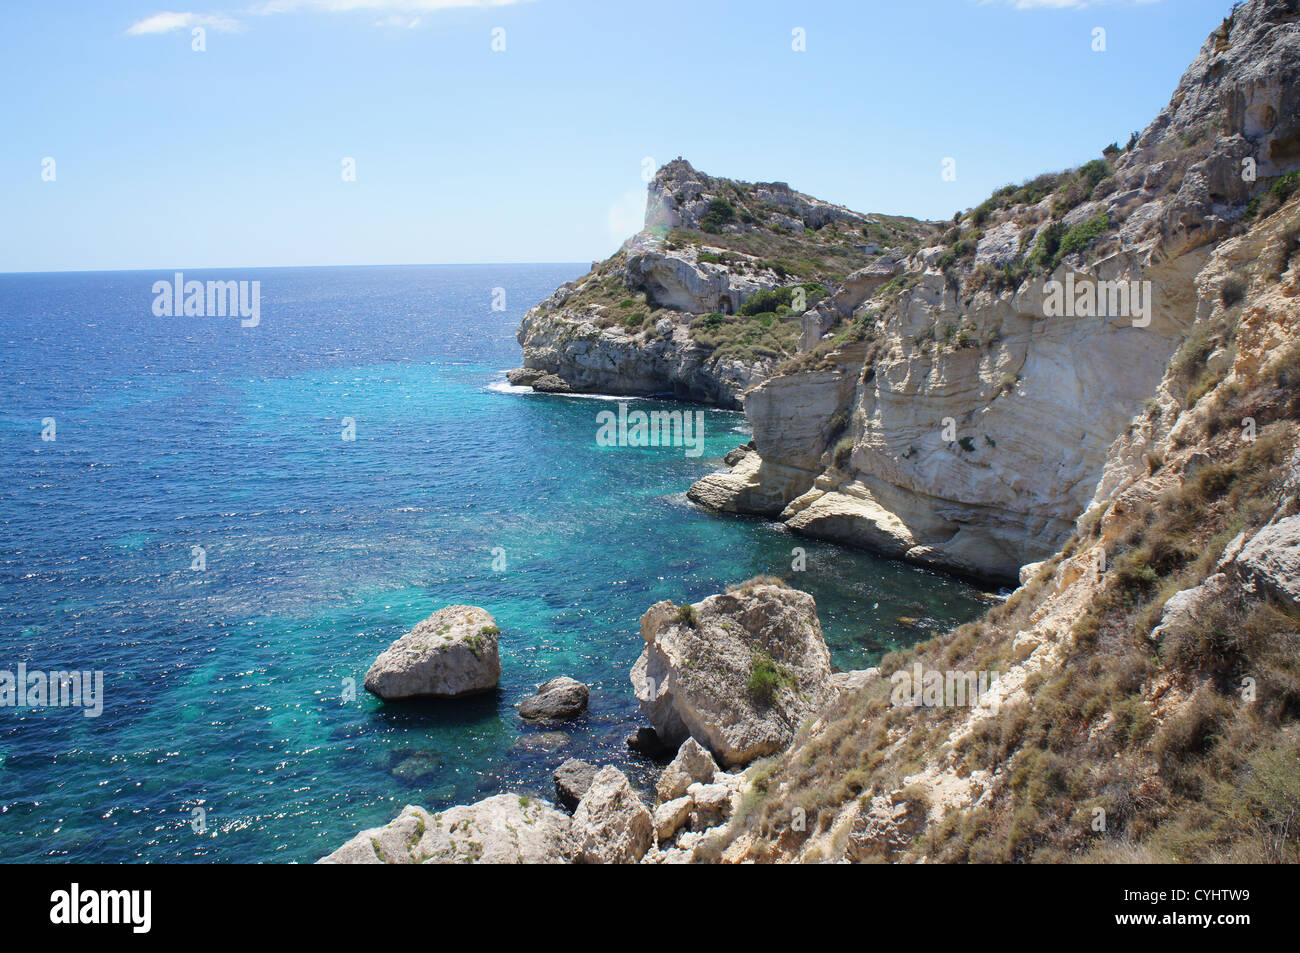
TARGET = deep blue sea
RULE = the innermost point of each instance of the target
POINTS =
(226, 733)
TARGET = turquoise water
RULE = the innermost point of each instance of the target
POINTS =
(225, 687)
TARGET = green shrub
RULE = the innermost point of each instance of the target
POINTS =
(1044, 256)
(1081, 236)
(1094, 172)
(687, 615)
(1266, 203)
(766, 678)
(720, 213)
(843, 452)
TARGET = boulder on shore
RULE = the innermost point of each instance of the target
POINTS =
(738, 672)
(505, 829)
(693, 763)
(524, 376)
(572, 780)
(559, 699)
(552, 384)
(612, 825)
(451, 653)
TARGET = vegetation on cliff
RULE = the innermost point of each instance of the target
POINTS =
(1135, 732)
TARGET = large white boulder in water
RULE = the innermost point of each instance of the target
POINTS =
(737, 672)
(451, 653)
(505, 829)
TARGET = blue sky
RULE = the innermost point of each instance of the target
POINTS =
(167, 157)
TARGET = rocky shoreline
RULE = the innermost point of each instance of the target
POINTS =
(912, 389)
(723, 683)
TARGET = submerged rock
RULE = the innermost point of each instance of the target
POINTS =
(505, 829)
(738, 672)
(556, 700)
(416, 766)
(451, 653)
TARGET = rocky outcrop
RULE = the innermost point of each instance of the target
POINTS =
(450, 654)
(685, 825)
(737, 672)
(671, 816)
(1265, 565)
(505, 829)
(1270, 561)
(559, 699)
(611, 825)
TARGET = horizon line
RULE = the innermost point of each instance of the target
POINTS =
(173, 268)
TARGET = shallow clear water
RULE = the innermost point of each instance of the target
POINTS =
(224, 688)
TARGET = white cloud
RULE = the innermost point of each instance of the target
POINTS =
(398, 13)
(167, 21)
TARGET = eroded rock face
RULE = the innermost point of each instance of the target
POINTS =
(678, 280)
(452, 653)
(505, 829)
(740, 678)
(612, 825)
(572, 354)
